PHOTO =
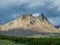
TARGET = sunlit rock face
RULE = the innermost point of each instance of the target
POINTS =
(29, 22)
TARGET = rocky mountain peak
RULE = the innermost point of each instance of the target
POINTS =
(41, 17)
(29, 22)
(26, 15)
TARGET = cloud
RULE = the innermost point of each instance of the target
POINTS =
(6, 3)
(23, 6)
(19, 6)
(55, 21)
(36, 14)
(36, 3)
(30, 3)
(10, 3)
(14, 7)
(55, 4)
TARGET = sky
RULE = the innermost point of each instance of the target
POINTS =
(12, 9)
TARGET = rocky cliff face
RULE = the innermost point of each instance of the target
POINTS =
(28, 22)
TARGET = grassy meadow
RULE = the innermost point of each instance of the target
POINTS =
(9, 40)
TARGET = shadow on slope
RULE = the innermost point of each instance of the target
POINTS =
(19, 32)
(23, 33)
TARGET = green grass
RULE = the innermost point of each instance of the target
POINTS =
(9, 40)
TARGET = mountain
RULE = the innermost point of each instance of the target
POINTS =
(58, 26)
(27, 24)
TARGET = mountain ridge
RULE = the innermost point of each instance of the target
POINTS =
(29, 22)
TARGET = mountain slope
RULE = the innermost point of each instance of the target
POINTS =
(28, 22)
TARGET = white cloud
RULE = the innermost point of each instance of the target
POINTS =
(30, 3)
(55, 4)
(36, 3)
(10, 3)
(7, 3)
(36, 14)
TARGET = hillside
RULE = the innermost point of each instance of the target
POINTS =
(27, 24)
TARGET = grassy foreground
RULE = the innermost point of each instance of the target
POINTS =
(9, 40)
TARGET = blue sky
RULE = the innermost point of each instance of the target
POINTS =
(11, 9)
